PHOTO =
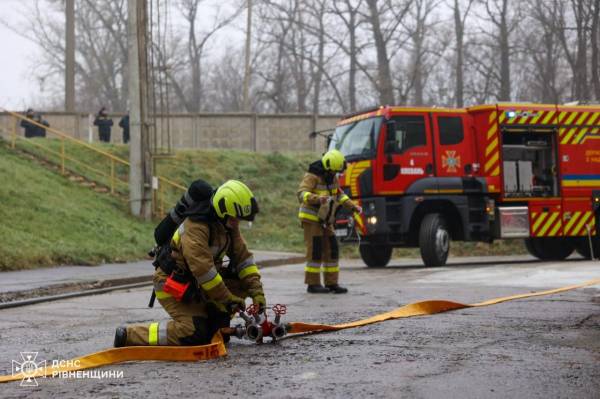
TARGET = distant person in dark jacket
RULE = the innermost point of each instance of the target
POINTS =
(104, 124)
(40, 131)
(124, 123)
(32, 130)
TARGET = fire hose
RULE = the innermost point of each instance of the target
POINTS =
(257, 327)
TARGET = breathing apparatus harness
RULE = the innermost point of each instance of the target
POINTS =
(195, 204)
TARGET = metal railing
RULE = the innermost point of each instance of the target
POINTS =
(94, 164)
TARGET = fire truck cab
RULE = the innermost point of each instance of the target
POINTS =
(429, 176)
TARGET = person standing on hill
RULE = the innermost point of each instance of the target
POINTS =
(31, 129)
(124, 124)
(320, 195)
(104, 124)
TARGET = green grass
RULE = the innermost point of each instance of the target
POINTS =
(48, 220)
(91, 164)
(274, 178)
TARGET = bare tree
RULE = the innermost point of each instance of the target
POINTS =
(460, 18)
(505, 17)
(384, 83)
(543, 46)
(576, 47)
(595, 48)
(100, 62)
(195, 47)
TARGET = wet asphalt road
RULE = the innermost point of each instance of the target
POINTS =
(545, 347)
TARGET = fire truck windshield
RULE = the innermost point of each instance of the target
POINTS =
(358, 139)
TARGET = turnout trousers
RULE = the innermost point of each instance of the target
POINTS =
(321, 253)
(191, 323)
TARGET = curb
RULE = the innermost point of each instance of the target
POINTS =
(110, 285)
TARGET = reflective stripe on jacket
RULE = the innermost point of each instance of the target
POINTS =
(201, 247)
(311, 188)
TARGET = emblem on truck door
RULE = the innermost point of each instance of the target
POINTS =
(451, 161)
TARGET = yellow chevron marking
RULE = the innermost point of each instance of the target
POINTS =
(579, 136)
(548, 224)
(491, 147)
(502, 117)
(570, 118)
(576, 230)
(491, 161)
(548, 117)
(557, 227)
(539, 221)
(492, 131)
(591, 121)
(354, 173)
(523, 119)
(567, 136)
(492, 117)
(583, 117)
(496, 171)
(572, 221)
(561, 116)
(538, 116)
(513, 120)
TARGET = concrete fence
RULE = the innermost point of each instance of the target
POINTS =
(243, 131)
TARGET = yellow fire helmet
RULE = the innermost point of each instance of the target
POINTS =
(233, 198)
(334, 161)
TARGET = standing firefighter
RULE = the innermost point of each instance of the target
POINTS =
(320, 196)
(192, 283)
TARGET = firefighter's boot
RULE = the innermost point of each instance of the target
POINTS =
(317, 289)
(120, 337)
(336, 289)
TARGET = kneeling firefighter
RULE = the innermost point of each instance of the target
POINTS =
(192, 283)
(320, 196)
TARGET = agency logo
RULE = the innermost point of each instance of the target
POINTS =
(451, 161)
(28, 368)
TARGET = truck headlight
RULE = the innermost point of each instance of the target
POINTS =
(372, 220)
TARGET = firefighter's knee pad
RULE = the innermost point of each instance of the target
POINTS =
(335, 249)
(200, 333)
(317, 248)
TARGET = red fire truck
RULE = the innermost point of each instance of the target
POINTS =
(426, 176)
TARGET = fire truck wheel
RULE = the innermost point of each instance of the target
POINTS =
(582, 246)
(532, 248)
(434, 240)
(549, 248)
(375, 255)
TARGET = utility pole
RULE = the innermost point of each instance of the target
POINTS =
(70, 56)
(246, 101)
(140, 170)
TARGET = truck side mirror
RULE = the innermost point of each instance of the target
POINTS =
(391, 143)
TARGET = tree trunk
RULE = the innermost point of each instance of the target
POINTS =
(594, 36)
(459, 32)
(505, 94)
(384, 77)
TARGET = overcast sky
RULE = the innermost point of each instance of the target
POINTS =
(18, 54)
(18, 89)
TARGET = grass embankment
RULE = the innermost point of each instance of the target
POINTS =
(50, 220)
(274, 178)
